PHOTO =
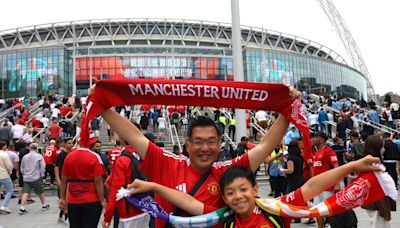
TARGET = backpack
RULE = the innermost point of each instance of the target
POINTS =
(136, 173)
(276, 220)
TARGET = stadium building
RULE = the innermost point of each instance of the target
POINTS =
(62, 57)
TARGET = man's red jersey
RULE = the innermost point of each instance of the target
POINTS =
(113, 155)
(50, 155)
(175, 171)
(323, 160)
(82, 165)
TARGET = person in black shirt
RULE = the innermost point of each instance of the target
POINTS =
(68, 144)
(340, 153)
(242, 146)
(390, 157)
(22, 152)
(294, 170)
(65, 125)
(341, 129)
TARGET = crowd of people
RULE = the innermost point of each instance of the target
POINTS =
(23, 131)
(206, 175)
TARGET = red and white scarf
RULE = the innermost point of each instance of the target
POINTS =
(244, 95)
(367, 188)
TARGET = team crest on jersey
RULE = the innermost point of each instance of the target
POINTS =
(355, 195)
(213, 187)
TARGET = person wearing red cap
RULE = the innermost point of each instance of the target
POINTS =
(85, 189)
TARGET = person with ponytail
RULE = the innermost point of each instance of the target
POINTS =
(379, 211)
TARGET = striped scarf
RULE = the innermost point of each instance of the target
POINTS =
(367, 188)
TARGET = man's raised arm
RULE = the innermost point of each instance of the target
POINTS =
(272, 138)
(127, 131)
(268, 142)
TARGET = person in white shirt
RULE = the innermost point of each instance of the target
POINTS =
(71, 101)
(313, 121)
(28, 136)
(39, 116)
(18, 131)
(83, 102)
(261, 117)
(162, 125)
(55, 113)
(45, 121)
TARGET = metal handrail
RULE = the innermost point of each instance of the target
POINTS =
(230, 141)
(261, 130)
(370, 123)
(131, 114)
(39, 134)
(168, 125)
(4, 113)
(74, 139)
(177, 137)
(256, 125)
(75, 115)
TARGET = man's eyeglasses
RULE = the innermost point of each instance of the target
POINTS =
(211, 142)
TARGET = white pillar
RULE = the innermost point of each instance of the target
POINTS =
(73, 74)
(240, 114)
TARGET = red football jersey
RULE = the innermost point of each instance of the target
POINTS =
(66, 110)
(36, 123)
(50, 155)
(323, 160)
(82, 164)
(113, 154)
(54, 131)
(120, 177)
(175, 171)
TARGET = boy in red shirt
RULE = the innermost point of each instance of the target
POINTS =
(239, 190)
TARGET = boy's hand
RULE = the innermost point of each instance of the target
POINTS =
(140, 186)
(366, 164)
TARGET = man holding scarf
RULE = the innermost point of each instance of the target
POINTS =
(203, 145)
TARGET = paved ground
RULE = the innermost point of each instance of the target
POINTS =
(48, 219)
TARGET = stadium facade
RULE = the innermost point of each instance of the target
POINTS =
(62, 57)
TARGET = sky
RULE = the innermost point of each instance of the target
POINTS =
(373, 24)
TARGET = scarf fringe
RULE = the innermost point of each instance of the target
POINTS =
(387, 184)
